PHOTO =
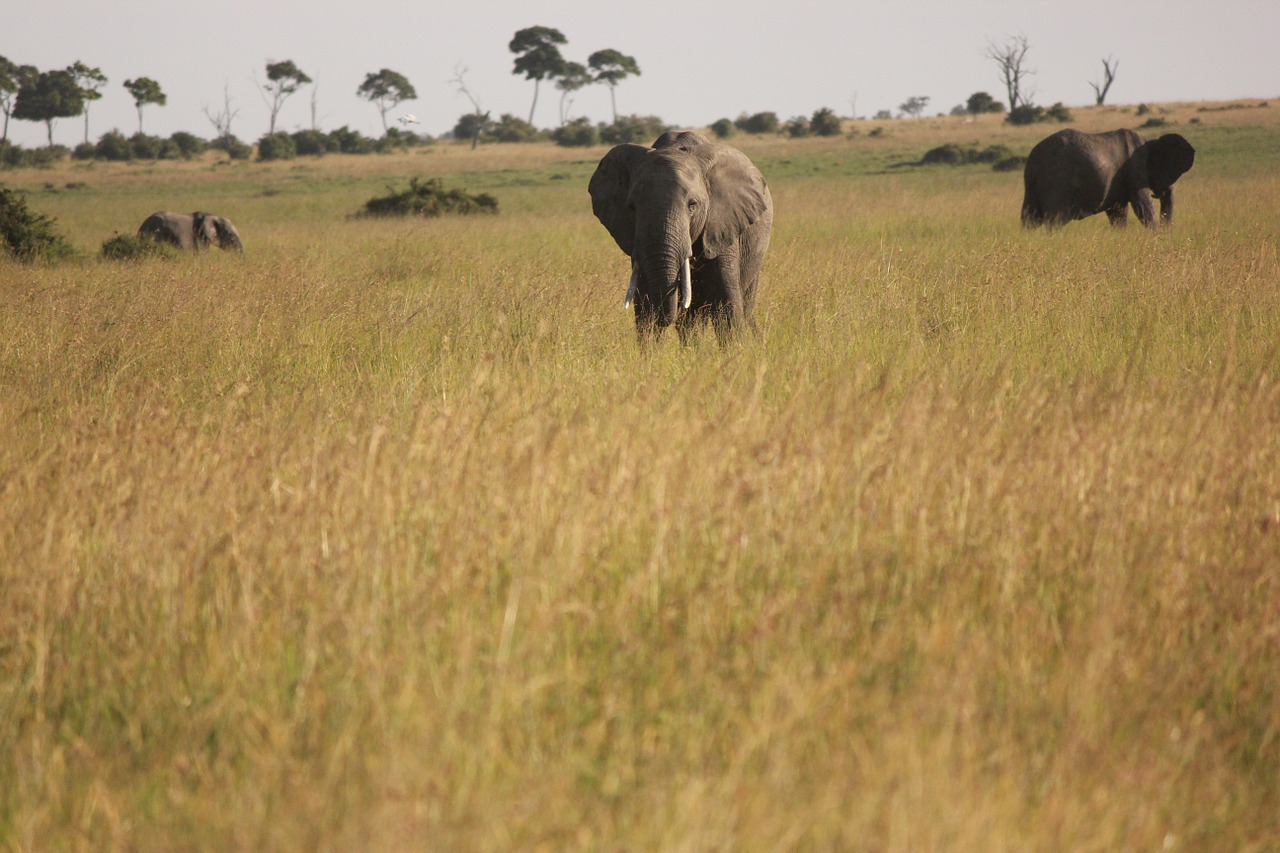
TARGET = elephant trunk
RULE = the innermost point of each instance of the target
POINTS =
(660, 287)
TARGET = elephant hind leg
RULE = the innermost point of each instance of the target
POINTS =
(1033, 213)
(1118, 216)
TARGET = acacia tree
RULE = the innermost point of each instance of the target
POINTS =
(283, 79)
(46, 96)
(12, 76)
(145, 91)
(611, 68)
(537, 57)
(1010, 58)
(90, 81)
(574, 77)
(385, 90)
(1109, 67)
(914, 105)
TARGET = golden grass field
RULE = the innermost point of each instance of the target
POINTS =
(385, 535)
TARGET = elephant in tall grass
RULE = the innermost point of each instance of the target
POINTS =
(191, 230)
(1072, 175)
(695, 218)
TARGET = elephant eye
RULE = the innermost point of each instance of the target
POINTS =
(693, 203)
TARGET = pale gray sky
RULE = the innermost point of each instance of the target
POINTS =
(699, 60)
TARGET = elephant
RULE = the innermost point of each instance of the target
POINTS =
(695, 217)
(1071, 175)
(191, 230)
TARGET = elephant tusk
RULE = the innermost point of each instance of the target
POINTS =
(686, 285)
(631, 287)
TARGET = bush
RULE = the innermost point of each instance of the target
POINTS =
(949, 154)
(113, 146)
(16, 157)
(28, 235)
(723, 128)
(310, 143)
(471, 126)
(1009, 164)
(1154, 121)
(396, 139)
(798, 127)
(277, 146)
(349, 141)
(641, 130)
(952, 154)
(579, 133)
(758, 123)
(1058, 112)
(825, 123)
(188, 145)
(84, 151)
(981, 102)
(146, 147)
(429, 198)
(127, 247)
(232, 147)
(1031, 114)
(512, 129)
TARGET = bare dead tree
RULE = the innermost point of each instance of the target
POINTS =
(1109, 67)
(221, 121)
(482, 118)
(1011, 57)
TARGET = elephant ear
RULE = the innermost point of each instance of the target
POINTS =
(228, 236)
(1168, 158)
(609, 188)
(202, 231)
(739, 197)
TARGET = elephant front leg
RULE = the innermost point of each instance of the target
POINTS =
(1166, 206)
(1143, 208)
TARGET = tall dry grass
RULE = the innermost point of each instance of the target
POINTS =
(386, 536)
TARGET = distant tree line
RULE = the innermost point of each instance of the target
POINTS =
(29, 94)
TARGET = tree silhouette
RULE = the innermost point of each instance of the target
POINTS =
(284, 78)
(1100, 90)
(145, 91)
(611, 68)
(12, 76)
(537, 57)
(48, 95)
(90, 81)
(1010, 57)
(573, 77)
(385, 90)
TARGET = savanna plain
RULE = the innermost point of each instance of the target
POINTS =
(386, 535)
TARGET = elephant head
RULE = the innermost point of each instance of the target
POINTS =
(1168, 158)
(674, 209)
(210, 230)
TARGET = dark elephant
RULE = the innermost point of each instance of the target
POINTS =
(695, 218)
(1071, 175)
(191, 230)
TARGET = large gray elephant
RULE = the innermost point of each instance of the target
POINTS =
(191, 230)
(1071, 175)
(695, 218)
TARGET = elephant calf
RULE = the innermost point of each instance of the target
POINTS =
(191, 230)
(1071, 175)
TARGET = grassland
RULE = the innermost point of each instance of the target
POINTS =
(384, 536)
